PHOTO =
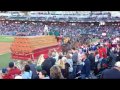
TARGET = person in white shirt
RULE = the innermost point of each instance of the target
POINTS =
(70, 62)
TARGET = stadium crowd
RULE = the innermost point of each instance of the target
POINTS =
(99, 60)
(18, 28)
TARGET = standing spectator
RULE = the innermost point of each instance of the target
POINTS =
(91, 57)
(75, 60)
(97, 57)
(33, 69)
(79, 63)
(27, 74)
(53, 60)
(100, 51)
(13, 71)
(55, 72)
(54, 55)
(113, 56)
(104, 50)
(85, 72)
(70, 62)
(48, 63)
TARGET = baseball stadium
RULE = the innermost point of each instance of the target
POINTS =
(59, 44)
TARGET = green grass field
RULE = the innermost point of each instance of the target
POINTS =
(4, 60)
(6, 38)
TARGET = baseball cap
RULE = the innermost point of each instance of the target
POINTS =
(38, 68)
(4, 70)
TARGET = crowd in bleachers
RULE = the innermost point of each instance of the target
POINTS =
(17, 28)
(97, 60)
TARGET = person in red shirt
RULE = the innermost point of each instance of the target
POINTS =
(13, 71)
(100, 51)
(104, 51)
(4, 74)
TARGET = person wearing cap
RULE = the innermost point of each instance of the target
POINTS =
(5, 74)
(38, 70)
(113, 73)
(13, 71)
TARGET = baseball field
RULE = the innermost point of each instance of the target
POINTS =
(5, 42)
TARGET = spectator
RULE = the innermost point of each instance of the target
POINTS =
(97, 57)
(38, 70)
(48, 63)
(113, 73)
(5, 74)
(61, 62)
(91, 57)
(33, 69)
(113, 56)
(13, 71)
(54, 55)
(65, 71)
(104, 50)
(70, 62)
(75, 60)
(100, 51)
(27, 74)
(85, 72)
(55, 73)
(43, 75)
